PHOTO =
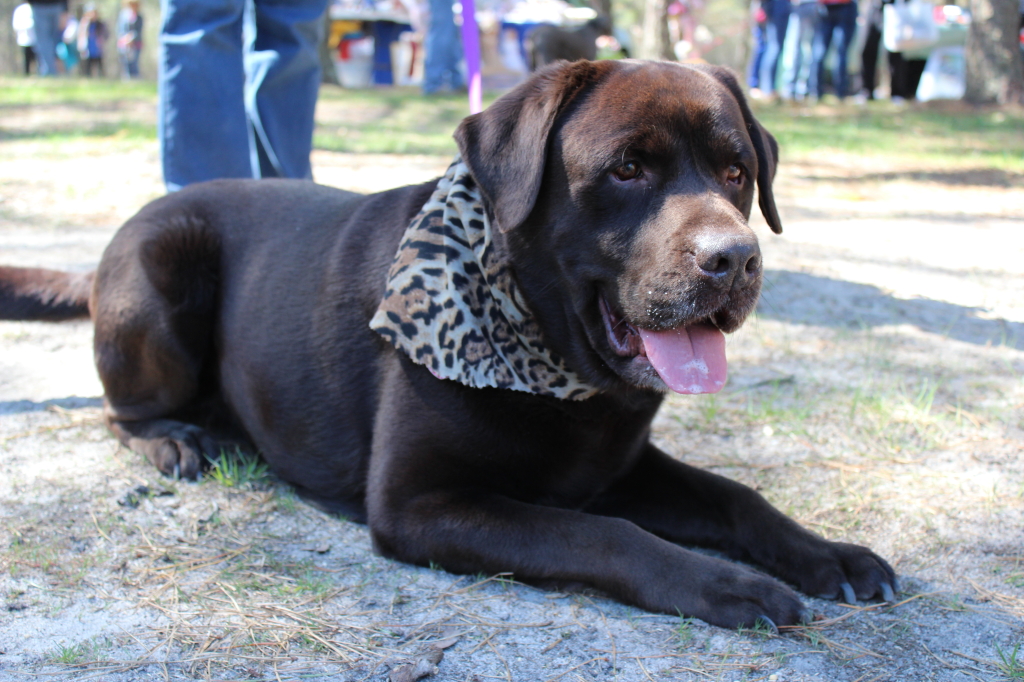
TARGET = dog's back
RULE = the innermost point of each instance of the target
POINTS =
(227, 299)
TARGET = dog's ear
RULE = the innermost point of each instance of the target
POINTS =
(765, 146)
(505, 146)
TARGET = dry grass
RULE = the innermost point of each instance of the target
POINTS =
(878, 397)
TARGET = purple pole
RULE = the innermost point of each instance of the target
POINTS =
(471, 48)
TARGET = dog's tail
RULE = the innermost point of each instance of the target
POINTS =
(38, 294)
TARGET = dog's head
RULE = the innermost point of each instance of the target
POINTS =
(621, 193)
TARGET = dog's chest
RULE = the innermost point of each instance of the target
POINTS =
(557, 456)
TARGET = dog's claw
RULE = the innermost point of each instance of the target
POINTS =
(848, 594)
(887, 593)
(765, 620)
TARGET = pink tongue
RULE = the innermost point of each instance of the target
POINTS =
(688, 359)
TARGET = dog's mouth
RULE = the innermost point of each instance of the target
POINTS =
(689, 358)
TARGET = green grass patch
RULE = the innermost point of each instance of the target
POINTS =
(393, 121)
(1010, 663)
(404, 121)
(239, 469)
(123, 131)
(278, 579)
(38, 91)
(75, 654)
(950, 131)
(683, 632)
(886, 417)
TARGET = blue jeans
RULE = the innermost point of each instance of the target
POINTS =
(754, 70)
(238, 81)
(46, 20)
(443, 47)
(797, 50)
(839, 20)
(775, 33)
(129, 63)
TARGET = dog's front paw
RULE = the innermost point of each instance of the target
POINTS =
(839, 570)
(740, 597)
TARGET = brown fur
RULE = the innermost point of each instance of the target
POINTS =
(243, 306)
(38, 294)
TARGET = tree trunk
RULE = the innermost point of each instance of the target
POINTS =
(994, 68)
(655, 44)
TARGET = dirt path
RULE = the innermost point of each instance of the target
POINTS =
(877, 397)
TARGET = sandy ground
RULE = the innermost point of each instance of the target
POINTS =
(878, 397)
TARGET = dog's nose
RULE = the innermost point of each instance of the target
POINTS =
(729, 261)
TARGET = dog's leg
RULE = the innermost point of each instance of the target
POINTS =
(153, 309)
(690, 506)
(148, 376)
(469, 532)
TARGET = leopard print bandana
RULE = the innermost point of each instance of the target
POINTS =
(453, 305)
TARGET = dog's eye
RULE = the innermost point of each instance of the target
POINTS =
(734, 174)
(628, 171)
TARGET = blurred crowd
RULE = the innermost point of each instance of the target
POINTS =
(54, 40)
(792, 40)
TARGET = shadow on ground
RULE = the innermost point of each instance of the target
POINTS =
(821, 301)
(968, 177)
(69, 403)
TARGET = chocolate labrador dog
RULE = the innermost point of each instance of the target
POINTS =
(471, 365)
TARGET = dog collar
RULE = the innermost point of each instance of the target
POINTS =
(452, 303)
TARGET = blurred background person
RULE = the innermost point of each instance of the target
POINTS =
(443, 48)
(67, 47)
(869, 55)
(758, 21)
(777, 12)
(798, 48)
(129, 38)
(92, 38)
(838, 20)
(46, 16)
(904, 74)
(25, 34)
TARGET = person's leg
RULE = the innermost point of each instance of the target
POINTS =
(754, 71)
(441, 43)
(915, 69)
(869, 60)
(433, 73)
(808, 21)
(778, 18)
(282, 72)
(897, 75)
(201, 122)
(453, 58)
(46, 19)
(790, 59)
(819, 48)
(846, 24)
